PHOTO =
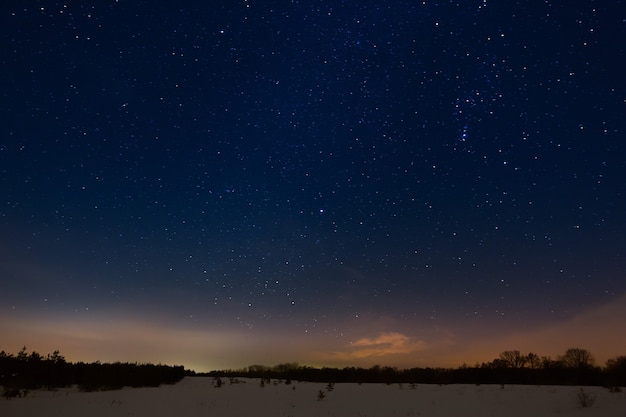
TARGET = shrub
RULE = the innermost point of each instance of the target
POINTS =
(14, 393)
(320, 395)
(585, 400)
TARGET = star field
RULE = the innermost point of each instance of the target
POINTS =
(300, 177)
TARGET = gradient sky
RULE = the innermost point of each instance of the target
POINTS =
(222, 183)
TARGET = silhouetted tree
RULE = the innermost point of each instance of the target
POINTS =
(286, 367)
(616, 371)
(22, 355)
(33, 371)
(577, 358)
(533, 361)
(579, 367)
(513, 359)
(616, 364)
(56, 357)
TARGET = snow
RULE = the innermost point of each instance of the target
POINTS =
(196, 396)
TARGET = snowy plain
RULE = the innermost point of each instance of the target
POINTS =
(197, 396)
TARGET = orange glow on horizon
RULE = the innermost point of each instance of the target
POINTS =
(135, 339)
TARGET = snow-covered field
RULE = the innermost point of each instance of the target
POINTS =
(198, 397)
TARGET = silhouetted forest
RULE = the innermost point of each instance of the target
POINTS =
(575, 367)
(25, 371)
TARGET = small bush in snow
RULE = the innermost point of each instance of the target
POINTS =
(584, 399)
(14, 393)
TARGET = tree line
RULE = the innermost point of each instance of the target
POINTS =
(575, 367)
(25, 371)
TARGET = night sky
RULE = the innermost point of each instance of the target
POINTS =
(222, 183)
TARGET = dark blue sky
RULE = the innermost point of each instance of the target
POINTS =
(408, 176)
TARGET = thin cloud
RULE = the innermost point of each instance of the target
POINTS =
(385, 344)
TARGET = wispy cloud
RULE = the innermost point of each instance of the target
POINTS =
(386, 344)
(383, 345)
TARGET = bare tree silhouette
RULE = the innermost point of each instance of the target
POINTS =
(577, 358)
(513, 359)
